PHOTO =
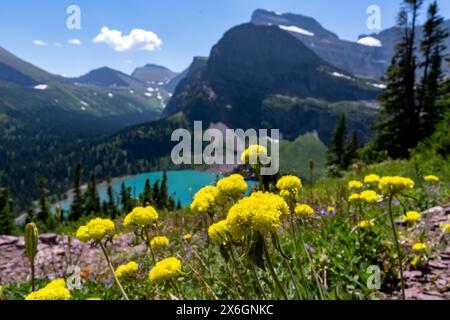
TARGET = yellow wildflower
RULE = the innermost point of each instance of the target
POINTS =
(159, 242)
(355, 185)
(372, 179)
(93, 299)
(394, 185)
(127, 270)
(55, 290)
(290, 184)
(412, 216)
(164, 270)
(218, 231)
(261, 212)
(331, 209)
(369, 196)
(233, 186)
(366, 224)
(432, 179)
(141, 217)
(354, 197)
(204, 200)
(304, 210)
(416, 261)
(254, 154)
(95, 230)
(445, 227)
(420, 247)
(187, 237)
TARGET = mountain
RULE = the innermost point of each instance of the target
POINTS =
(43, 114)
(369, 56)
(152, 73)
(251, 63)
(106, 77)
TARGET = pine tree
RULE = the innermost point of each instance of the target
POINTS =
(146, 197)
(351, 150)
(92, 197)
(156, 194)
(112, 208)
(432, 48)
(125, 199)
(44, 207)
(336, 148)
(164, 192)
(76, 209)
(179, 206)
(7, 223)
(398, 129)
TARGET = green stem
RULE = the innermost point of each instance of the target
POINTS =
(233, 259)
(397, 245)
(174, 285)
(149, 245)
(33, 285)
(113, 272)
(272, 271)
(258, 283)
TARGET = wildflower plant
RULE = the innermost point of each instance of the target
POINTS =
(100, 232)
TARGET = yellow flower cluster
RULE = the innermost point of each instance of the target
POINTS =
(127, 270)
(331, 209)
(304, 210)
(95, 230)
(187, 236)
(232, 186)
(55, 290)
(159, 242)
(412, 216)
(218, 231)
(445, 227)
(204, 199)
(141, 217)
(260, 212)
(289, 185)
(369, 196)
(394, 185)
(354, 197)
(372, 179)
(355, 185)
(420, 247)
(253, 154)
(432, 179)
(164, 270)
(366, 224)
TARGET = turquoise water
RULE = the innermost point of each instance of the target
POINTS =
(182, 184)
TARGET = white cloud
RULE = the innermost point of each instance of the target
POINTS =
(39, 43)
(41, 87)
(75, 42)
(138, 39)
(370, 42)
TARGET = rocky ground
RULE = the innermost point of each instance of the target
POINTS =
(55, 255)
(429, 282)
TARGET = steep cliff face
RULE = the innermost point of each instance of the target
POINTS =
(251, 63)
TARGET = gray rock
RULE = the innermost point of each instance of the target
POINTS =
(7, 240)
(48, 238)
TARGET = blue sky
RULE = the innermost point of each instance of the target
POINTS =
(186, 28)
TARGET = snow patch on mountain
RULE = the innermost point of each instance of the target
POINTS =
(296, 30)
(370, 42)
(41, 87)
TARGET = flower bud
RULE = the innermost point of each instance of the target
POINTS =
(31, 241)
